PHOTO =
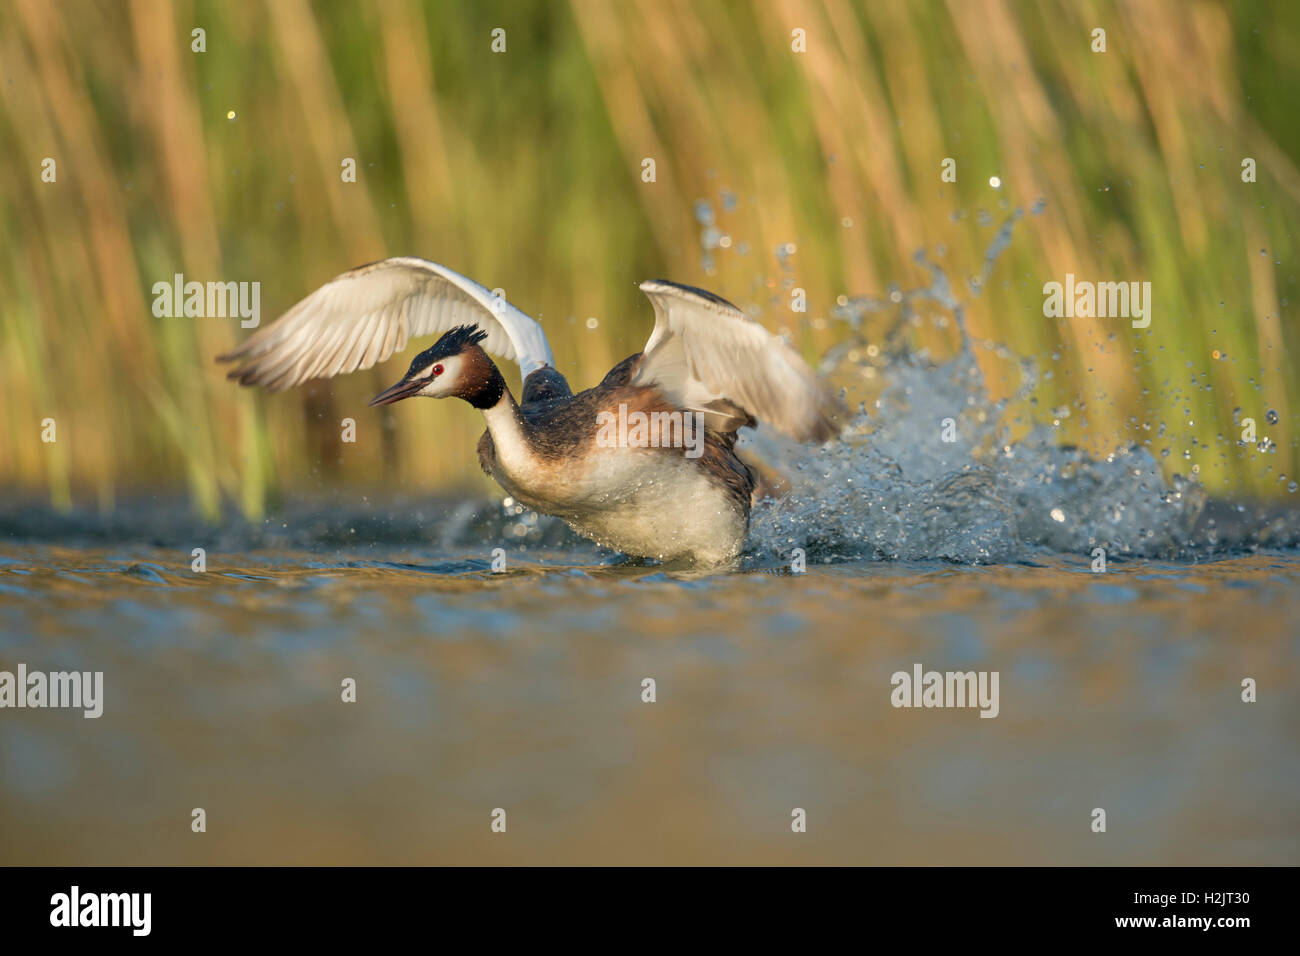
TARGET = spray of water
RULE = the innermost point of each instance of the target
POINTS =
(929, 470)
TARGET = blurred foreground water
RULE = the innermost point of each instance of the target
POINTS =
(522, 690)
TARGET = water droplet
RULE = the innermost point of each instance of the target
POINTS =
(1271, 416)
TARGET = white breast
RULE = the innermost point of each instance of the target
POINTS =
(648, 502)
(654, 503)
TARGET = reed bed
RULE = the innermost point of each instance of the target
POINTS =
(524, 169)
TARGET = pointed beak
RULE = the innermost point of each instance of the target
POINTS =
(403, 389)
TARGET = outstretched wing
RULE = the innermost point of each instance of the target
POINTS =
(706, 355)
(365, 315)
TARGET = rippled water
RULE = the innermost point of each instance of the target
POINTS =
(523, 691)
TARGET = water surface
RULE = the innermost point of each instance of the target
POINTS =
(522, 690)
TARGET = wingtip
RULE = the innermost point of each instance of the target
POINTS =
(825, 429)
(244, 375)
(670, 287)
(238, 353)
(828, 416)
(820, 426)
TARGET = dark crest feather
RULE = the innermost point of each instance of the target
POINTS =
(451, 343)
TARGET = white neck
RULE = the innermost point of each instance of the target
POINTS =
(507, 431)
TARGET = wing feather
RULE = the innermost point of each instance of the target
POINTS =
(363, 316)
(708, 356)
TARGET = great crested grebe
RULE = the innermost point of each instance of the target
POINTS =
(668, 487)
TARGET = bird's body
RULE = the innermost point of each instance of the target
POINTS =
(645, 501)
(643, 463)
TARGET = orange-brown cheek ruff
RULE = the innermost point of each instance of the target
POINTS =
(480, 382)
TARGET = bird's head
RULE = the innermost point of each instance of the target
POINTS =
(453, 367)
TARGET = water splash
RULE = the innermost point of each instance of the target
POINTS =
(929, 469)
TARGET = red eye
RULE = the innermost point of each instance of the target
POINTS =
(437, 370)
